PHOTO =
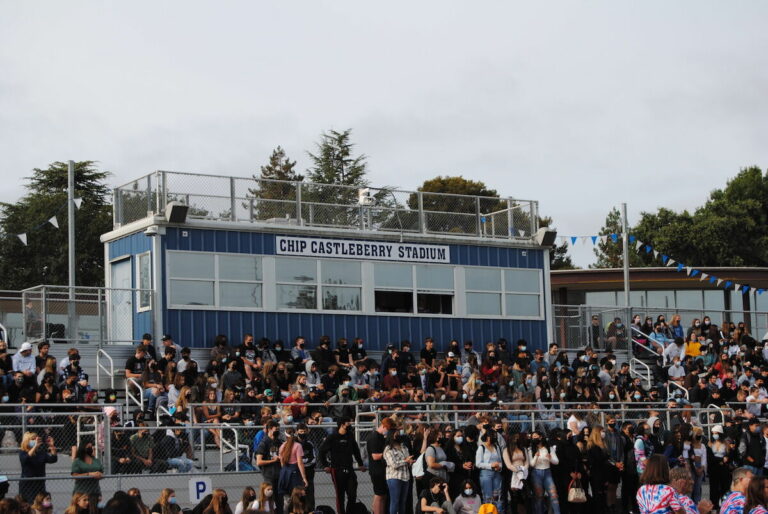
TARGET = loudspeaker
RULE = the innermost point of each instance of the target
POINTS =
(545, 237)
(176, 212)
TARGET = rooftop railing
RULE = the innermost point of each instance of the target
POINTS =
(306, 204)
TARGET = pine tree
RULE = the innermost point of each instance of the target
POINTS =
(276, 199)
(609, 253)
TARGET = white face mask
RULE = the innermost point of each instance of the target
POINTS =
(393, 372)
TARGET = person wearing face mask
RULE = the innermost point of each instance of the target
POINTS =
(310, 460)
(87, 470)
(42, 504)
(398, 462)
(752, 446)
(467, 501)
(34, 454)
(616, 335)
(336, 456)
(265, 501)
(391, 380)
(603, 472)
(268, 454)
(167, 503)
(143, 452)
(720, 466)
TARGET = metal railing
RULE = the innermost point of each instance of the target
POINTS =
(644, 347)
(648, 377)
(132, 385)
(110, 371)
(78, 315)
(674, 386)
(242, 199)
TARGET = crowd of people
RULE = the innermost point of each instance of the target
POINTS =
(454, 429)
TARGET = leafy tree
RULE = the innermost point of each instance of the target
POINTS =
(44, 259)
(335, 164)
(609, 253)
(275, 199)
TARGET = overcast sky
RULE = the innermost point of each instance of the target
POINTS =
(580, 105)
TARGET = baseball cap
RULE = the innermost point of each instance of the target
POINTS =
(717, 429)
(267, 392)
(167, 337)
(25, 347)
(451, 354)
(147, 336)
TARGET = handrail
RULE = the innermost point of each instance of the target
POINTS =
(232, 447)
(632, 369)
(670, 385)
(109, 372)
(638, 343)
(80, 431)
(722, 417)
(161, 411)
(130, 396)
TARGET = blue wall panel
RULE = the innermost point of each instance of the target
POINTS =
(130, 245)
(231, 241)
(198, 328)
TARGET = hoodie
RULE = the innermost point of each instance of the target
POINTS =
(313, 377)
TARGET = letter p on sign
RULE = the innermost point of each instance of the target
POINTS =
(199, 487)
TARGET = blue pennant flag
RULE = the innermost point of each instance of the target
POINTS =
(760, 291)
(594, 239)
(695, 272)
(615, 237)
(712, 279)
(680, 266)
(664, 259)
(632, 239)
(573, 240)
(648, 249)
(745, 290)
(728, 284)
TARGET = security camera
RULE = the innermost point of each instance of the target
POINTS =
(152, 231)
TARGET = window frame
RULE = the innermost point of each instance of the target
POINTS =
(140, 306)
(502, 292)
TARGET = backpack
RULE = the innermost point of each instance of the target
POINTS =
(417, 468)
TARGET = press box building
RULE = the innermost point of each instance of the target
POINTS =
(225, 255)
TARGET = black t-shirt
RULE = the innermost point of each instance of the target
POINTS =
(428, 356)
(431, 498)
(343, 354)
(269, 450)
(376, 445)
(358, 353)
(135, 365)
(248, 353)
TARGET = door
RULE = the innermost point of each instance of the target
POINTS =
(120, 298)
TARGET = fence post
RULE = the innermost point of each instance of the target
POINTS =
(510, 220)
(422, 214)
(99, 316)
(477, 216)
(23, 421)
(299, 219)
(250, 209)
(534, 216)
(107, 445)
(232, 203)
(149, 194)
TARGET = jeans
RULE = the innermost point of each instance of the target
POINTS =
(398, 495)
(183, 464)
(541, 479)
(490, 485)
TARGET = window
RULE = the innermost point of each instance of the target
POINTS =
(296, 283)
(342, 285)
(434, 289)
(144, 281)
(504, 292)
(215, 280)
(522, 289)
(483, 291)
(395, 292)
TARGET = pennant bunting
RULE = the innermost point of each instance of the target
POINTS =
(655, 254)
(664, 259)
(671, 262)
(704, 276)
(78, 202)
(688, 270)
(638, 245)
(736, 287)
(695, 272)
(728, 284)
(712, 279)
(615, 237)
(632, 239)
(594, 239)
(760, 291)
(603, 239)
(53, 221)
(583, 239)
(573, 240)
(648, 249)
(680, 266)
(23, 238)
(719, 281)
(521, 232)
(752, 290)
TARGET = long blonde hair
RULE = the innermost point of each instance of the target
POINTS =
(217, 505)
(596, 438)
(266, 504)
(164, 502)
(28, 436)
(73, 508)
(37, 505)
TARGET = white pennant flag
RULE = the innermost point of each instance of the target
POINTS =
(23, 238)
(655, 254)
(688, 270)
(670, 262)
(736, 287)
(53, 221)
(78, 202)
(603, 239)
(752, 290)
(719, 281)
(584, 239)
(638, 245)
(704, 276)
(521, 232)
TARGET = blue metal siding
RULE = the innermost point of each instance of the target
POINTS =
(130, 245)
(229, 241)
(198, 328)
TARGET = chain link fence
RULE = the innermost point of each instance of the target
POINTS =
(325, 205)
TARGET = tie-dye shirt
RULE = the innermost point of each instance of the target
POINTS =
(733, 503)
(657, 499)
(759, 510)
(687, 503)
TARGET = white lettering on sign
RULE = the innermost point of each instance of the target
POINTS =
(346, 249)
